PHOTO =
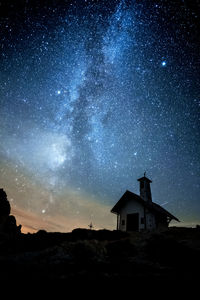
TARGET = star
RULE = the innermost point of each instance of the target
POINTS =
(91, 95)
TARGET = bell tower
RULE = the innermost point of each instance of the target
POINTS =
(145, 189)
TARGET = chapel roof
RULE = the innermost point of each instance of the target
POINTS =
(130, 196)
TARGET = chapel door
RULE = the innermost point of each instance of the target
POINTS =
(132, 222)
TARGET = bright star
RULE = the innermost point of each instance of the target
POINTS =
(58, 92)
(164, 63)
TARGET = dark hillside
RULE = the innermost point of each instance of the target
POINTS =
(101, 255)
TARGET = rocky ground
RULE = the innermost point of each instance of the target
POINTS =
(101, 255)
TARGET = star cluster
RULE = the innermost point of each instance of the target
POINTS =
(92, 94)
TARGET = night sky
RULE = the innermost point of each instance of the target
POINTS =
(92, 94)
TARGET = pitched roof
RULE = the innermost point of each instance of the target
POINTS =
(129, 196)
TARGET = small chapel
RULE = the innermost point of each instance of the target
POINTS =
(138, 213)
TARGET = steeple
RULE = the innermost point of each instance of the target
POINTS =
(145, 189)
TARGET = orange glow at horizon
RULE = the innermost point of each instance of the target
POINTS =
(31, 222)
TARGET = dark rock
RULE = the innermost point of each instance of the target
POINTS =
(8, 223)
(11, 227)
(4, 204)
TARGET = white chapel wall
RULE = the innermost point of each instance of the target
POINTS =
(131, 207)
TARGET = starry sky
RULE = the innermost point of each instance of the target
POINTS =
(92, 94)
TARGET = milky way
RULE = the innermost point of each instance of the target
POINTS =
(94, 93)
